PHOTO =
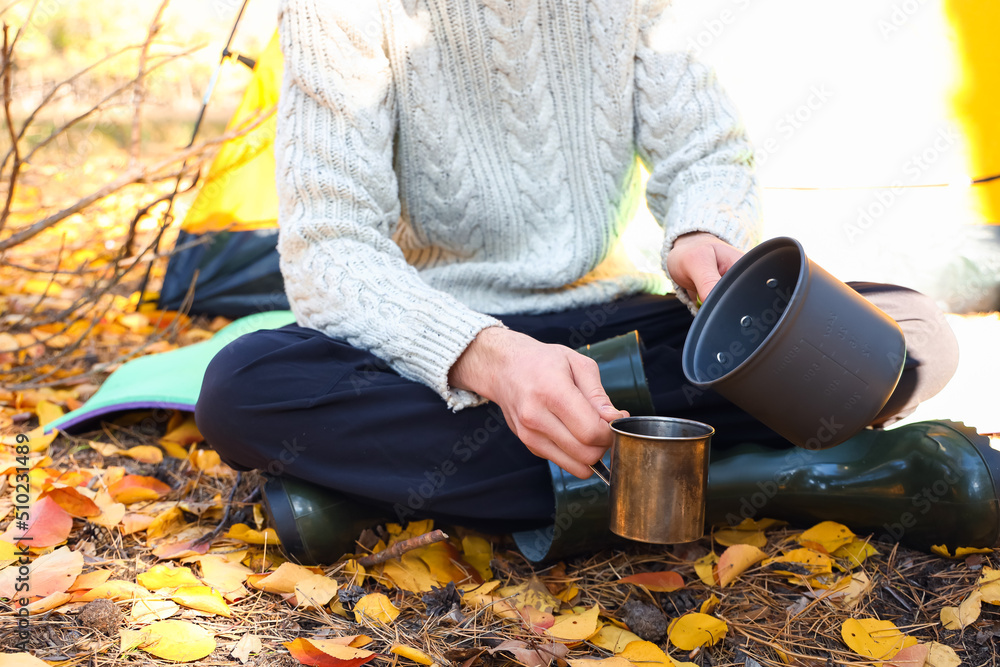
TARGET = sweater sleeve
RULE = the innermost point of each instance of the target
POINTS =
(692, 142)
(339, 201)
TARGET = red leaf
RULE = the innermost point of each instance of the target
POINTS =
(661, 582)
(48, 525)
(73, 502)
(136, 488)
(307, 654)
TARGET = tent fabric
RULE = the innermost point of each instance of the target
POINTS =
(227, 243)
(237, 274)
(169, 380)
(239, 192)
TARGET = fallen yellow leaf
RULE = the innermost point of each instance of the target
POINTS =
(940, 655)
(704, 567)
(151, 609)
(47, 412)
(575, 627)
(202, 598)
(957, 618)
(376, 607)
(709, 605)
(960, 552)
(854, 553)
(696, 629)
(414, 654)
(244, 533)
(870, 637)
(728, 537)
(532, 592)
(315, 591)
(614, 661)
(478, 553)
(167, 576)
(224, 575)
(145, 453)
(23, 660)
(179, 641)
(735, 560)
(115, 589)
(410, 573)
(614, 639)
(989, 585)
(282, 580)
(803, 563)
(646, 653)
(828, 534)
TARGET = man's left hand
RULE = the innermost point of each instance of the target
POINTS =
(698, 261)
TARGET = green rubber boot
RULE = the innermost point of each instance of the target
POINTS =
(934, 482)
(318, 525)
(923, 484)
(315, 525)
(580, 521)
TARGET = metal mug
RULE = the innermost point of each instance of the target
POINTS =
(658, 478)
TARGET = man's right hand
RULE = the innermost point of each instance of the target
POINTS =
(551, 395)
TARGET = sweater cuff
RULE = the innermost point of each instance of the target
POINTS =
(728, 229)
(443, 339)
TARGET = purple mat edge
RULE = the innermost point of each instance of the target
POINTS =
(121, 407)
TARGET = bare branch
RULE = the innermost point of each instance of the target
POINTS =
(138, 174)
(100, 104)
(140, 89)
(400, 548)
(65, 82)
(5, 75)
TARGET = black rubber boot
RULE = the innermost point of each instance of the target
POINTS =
(922, 484)
(315, 525)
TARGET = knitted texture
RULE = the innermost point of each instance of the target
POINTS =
(443, 159)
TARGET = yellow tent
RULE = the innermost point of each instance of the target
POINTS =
(238, 194)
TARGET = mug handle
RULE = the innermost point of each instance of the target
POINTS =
(604, 474)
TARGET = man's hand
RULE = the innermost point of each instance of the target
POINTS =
(697, 262)
(551, 396)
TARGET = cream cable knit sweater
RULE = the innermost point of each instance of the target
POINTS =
(443, 159)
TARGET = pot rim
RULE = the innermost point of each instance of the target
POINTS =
(719, 292)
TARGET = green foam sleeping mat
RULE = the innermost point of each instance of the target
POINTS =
(170, 380)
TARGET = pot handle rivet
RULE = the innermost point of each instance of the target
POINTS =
(746, 321)
(772, 282)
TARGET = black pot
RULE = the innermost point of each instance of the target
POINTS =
(795, 347)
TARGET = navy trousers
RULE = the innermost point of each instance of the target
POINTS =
(295, 402)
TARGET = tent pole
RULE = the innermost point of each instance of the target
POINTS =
(225, 55)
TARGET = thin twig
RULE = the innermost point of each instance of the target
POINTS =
(399, 548)
(139, 92)
(165, 59)
(208, 537)
(56, 88)
(138, 174)
(8, 53)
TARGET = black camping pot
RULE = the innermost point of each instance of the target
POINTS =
(793, 346)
